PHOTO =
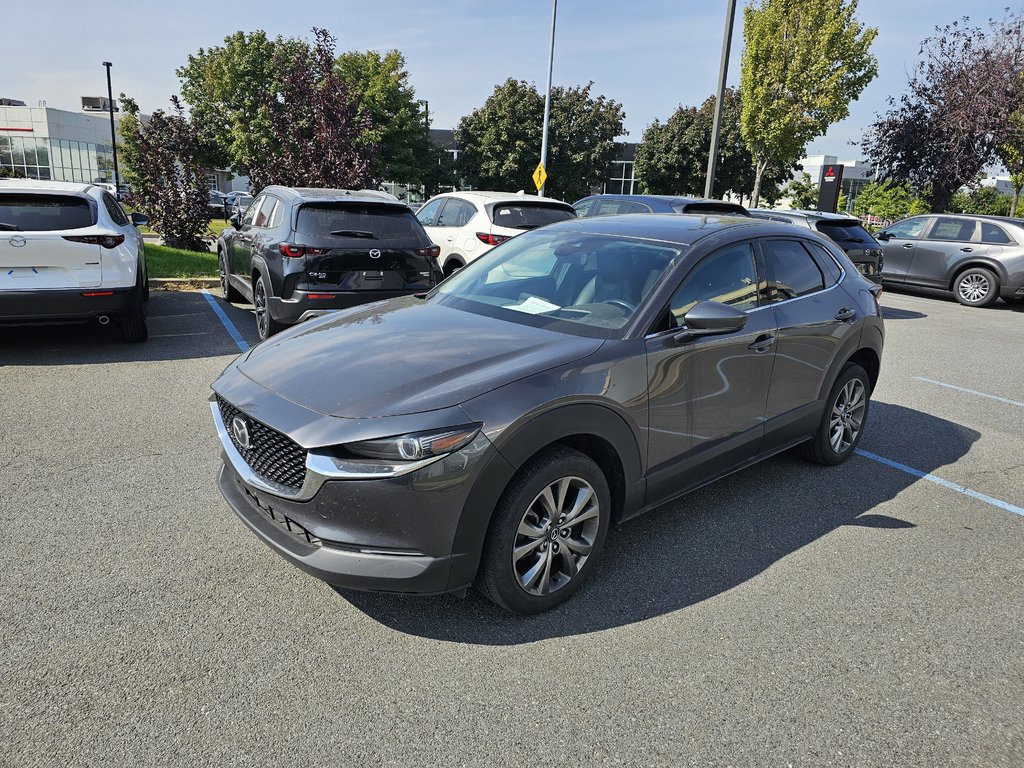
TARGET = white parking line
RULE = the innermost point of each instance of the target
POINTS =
(971, 391)
(240, 342)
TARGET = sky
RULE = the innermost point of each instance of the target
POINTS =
(649, 55)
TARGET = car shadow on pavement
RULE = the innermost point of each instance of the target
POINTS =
(892, 313)
(945, 296)
(182, 326)
(711, 541)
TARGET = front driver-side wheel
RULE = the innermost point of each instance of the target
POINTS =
(842, 424)
(547, 532)
(266, 326)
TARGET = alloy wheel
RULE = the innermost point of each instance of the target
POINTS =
(847, 416)
(259, 301)
(556, 535)
(223, 278)
(973, 287)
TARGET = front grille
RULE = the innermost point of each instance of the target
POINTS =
(295, 529)
(271, 455)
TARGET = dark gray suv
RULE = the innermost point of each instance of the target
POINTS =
(491, 431)
(300, 253)
(978, 258)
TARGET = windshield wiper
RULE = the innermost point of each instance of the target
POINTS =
(354, 233)
(853, 239)
(9, 227)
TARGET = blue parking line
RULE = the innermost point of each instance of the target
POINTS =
(944, 483)
(243, 345)
(971, 391)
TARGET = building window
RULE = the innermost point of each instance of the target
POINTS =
(81, 161)
(25, 156)
(620, 178)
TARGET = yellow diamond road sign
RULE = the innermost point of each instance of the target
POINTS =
(540, 176)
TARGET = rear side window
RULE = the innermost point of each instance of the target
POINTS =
(825, 260)
(611, 208)
(957, 230)
(265, 210)
(795, 272)
(360, 220)
(45, 213)
(848, 234)
(116, 214)
(456, 213)
(990, 233)
(529, 216)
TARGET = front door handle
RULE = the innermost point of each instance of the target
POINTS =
(907, 245)
(762, 343)
(845, 314)
(966, 250)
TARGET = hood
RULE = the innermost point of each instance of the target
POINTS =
(403, 356)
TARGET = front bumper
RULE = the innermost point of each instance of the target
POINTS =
(68, 305)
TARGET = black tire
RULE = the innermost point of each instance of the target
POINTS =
(572, 551)
(227, 291)
(976, 287)
(822, 448)
(1014, 301)
(451, 267)
(266, 325)
(135, 329)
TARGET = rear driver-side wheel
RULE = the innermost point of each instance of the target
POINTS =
(547, 532)
(976, 287)
(227, 291)
(266, 326)
(842, 424)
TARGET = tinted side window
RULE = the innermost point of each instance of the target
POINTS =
(116, 214)
(957, 230)
(990, 233)
(252, 210)
(456, 213)
(727, 276)
(795, 272)
(610, 208)
(581, 207)
(908, 229)
(428, 213)
(825, 260)
(263, 214)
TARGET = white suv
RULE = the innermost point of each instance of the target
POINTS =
(68, 252)
(468, 224)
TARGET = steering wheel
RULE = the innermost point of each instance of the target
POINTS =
(620, 304)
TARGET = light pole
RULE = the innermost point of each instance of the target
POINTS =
(730, 15)
(547, 99)
(113, 135)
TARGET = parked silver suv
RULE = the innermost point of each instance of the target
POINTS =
(978, 258)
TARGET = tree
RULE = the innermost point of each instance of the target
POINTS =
(400, 126)
(500, 142)
(226, 89)
(167, 180)
(957, 111)
(983, 200)
(672, 156)
(887, 201)
(1011, 155)
(803, 193)
(803, 62)
(319, 138)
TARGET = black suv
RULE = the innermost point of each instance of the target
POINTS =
(848, 233)
(299, 253)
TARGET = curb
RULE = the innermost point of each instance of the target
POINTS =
(182, 283)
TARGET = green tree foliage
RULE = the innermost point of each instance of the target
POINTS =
(500, 142)
(226, 89)
(399, 125)
(888, 201)
(957, 111)
(803, 62)
(983, 200)
(319, 137)
(1011, 155)
(803, 193)
(167, 180)
(672, 157)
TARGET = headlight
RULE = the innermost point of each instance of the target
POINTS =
(419, 445)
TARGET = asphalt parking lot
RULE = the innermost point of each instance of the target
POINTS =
(869, 614)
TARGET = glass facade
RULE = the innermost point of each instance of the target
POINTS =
(27, 156)
(81, 161)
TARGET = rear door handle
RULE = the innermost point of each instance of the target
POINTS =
(763, 343)
(845, 314)
(907, 245)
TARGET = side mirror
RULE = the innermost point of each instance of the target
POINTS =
(140, 219)
(236, 221)
(710, 318)
(883, 236)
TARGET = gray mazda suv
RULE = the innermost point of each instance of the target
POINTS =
(491, 431)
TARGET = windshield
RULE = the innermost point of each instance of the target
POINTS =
(44, 213)
(529, 215)
(578, 283)
(849, 234)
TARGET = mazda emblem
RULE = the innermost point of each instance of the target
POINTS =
(374, 254)
(240, 429)
(18, 241)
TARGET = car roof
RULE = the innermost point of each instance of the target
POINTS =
(34, 185)
(675, 228)
(324, 193)
(489, 196)
(669, 200)
(795, 213)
